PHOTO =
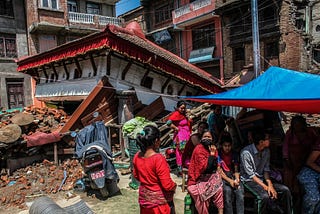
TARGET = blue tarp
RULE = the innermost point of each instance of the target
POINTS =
(277, 89)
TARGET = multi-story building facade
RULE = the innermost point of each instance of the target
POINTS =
(189, 29)
(15, 87)
(54, 22)
(288, 32)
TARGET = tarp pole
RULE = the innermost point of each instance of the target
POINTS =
(255, 37)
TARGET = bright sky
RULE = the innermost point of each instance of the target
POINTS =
(125, 5)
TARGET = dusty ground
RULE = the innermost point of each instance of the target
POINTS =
(126, 202)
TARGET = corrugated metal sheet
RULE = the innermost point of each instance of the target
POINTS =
(66, 88)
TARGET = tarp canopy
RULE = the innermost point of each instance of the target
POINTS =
(277, 89)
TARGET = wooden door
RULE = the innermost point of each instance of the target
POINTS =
(15, 95)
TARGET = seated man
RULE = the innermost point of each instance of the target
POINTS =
(254, 171)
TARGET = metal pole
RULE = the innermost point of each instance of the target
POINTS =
(255, 37)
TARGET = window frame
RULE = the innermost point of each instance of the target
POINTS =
(94, 9)
(72, 6)
(5, 47)
(203, 38)
(49, 4)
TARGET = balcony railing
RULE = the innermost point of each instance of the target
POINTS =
(191, 7)
(85, 18)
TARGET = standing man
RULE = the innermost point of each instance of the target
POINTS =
(217, 121)
(254, 171)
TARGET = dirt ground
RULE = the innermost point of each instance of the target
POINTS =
(126, 202)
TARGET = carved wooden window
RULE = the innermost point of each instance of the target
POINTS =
(163, 13)
(8, 47)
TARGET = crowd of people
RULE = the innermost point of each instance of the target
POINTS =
(220, 176)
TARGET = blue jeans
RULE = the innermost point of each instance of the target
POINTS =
(228, 194)
(310, 180)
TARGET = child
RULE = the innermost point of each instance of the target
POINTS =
(229, 161)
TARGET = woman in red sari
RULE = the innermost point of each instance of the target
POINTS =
(152, 171)
(204, 180)
(181, 126)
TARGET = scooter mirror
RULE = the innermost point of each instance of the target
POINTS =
(95, 114)
(73, 134)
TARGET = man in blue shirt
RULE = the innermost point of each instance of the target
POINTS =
(254, 171)
(216, 121)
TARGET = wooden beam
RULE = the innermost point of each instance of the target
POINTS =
(66, 70)
(108, 63)
(94, 67)
(165, 85)
(54, 71)
(78, 66)
(181, 90)
(145, 76)
(37, 78)
(154, 109)
(45, 73)
(125, 70)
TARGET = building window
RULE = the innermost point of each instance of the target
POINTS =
(238, 59)
(47, 42)
(8, 47)
(271, 50)
(147, 82)
(72, 6)
(163, 13)
(93, 8)
(269, 16)
(203, 37)
(316, 54)
(52, 4)
(6, 8)
(170, 90)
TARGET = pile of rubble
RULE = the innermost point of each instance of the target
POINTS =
(38, 180)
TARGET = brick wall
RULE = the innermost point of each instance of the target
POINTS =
(291, 43)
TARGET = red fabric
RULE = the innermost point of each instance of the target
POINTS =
(153, 173)
(227, 159)
(198, 164)
(176, 117)
(301, 106)
(188, 150)
(40, 138)
(161, 209)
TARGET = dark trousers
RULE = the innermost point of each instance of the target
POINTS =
(264, 203)
(228, 194)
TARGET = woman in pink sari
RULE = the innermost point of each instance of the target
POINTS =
(204, 180)
(181, 126)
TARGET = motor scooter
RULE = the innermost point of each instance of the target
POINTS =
(92, 164)
(93, 150)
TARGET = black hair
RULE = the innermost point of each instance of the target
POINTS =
(203, 123)
(147, 137)
(298, 119)
(258, 135)
(180, 103)
(214, 106)
(225, 137)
